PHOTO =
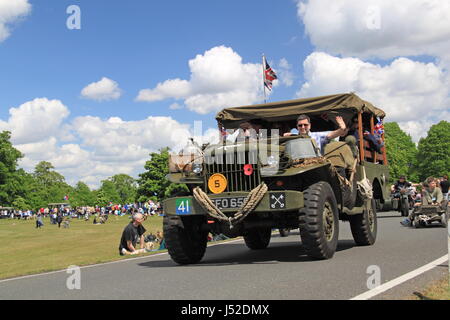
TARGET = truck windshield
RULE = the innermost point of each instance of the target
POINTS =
(301, 149)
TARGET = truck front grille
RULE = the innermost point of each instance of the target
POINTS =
(231, 165)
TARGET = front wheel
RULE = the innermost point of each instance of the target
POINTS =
(284, 232)
(319, 221)
(258, 238)
(186, 244)
(364, 226)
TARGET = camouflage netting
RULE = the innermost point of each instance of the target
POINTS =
(301, 163)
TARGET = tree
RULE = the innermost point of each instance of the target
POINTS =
(9, 157)
(100, 198)
(153, 183)
(27, 188)
(401, 152)
(108, 191)
(51, 184)
(82, 196)
(45, 176)
(20, 204)
(433, 157)
(125, 186)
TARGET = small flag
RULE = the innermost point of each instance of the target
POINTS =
(379, 128)
(223, 132)
(66, 198)
(269, 75)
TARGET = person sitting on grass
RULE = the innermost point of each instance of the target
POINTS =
(161, 240)
(66, 222)
(133, 232)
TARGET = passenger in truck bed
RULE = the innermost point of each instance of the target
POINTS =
(352, 139)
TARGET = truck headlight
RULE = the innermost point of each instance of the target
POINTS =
(197, 168)
(273, 161)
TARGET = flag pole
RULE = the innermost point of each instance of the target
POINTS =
(264, 76)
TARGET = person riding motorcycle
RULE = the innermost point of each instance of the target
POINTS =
(401, 183)
(401, 187)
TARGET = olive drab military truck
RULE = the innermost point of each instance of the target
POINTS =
(257, 180)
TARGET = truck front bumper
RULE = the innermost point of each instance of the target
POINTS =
(229, 203)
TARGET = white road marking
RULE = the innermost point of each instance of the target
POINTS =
(397, 281)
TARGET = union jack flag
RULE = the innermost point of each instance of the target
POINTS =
(223, 132)
(379, 127)
(269, 75)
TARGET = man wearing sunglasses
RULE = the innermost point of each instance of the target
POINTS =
(322, 138)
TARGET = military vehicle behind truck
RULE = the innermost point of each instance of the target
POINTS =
(249, 184)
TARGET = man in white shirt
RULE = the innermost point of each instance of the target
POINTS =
(321, 138)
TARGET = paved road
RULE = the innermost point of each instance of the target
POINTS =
(231, 271)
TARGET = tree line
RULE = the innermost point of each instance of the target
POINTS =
(430, 157)
(23, 190)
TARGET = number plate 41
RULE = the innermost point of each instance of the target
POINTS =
(183, 206)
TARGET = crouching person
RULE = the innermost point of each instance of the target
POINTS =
(133, 232)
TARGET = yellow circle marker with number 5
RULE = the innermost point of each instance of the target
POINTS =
(217, 183)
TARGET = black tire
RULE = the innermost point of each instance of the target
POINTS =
(379, 205)
(284, 232)
(319, 221)
(364, 226)
(186, 245)
(257, 238)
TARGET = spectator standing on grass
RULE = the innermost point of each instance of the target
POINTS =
(39, 222)
(59, 219)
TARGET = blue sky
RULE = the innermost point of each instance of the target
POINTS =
(139, 44)
(95, 102)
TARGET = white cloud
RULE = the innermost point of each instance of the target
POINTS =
(175, 106)
(406, 90)
(99, 148)
(218, 79)
(381, 28)
(103, 90)
(286, 75)
(10, 12)
(35, 120)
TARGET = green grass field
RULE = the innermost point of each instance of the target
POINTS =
(26, 250)
(438, 290)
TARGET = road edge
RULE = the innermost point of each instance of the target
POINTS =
(399, 280)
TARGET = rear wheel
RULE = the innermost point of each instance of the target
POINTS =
(284, 232)
(258, 238)
(319, 221)
(185, 244)
(364, 226)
